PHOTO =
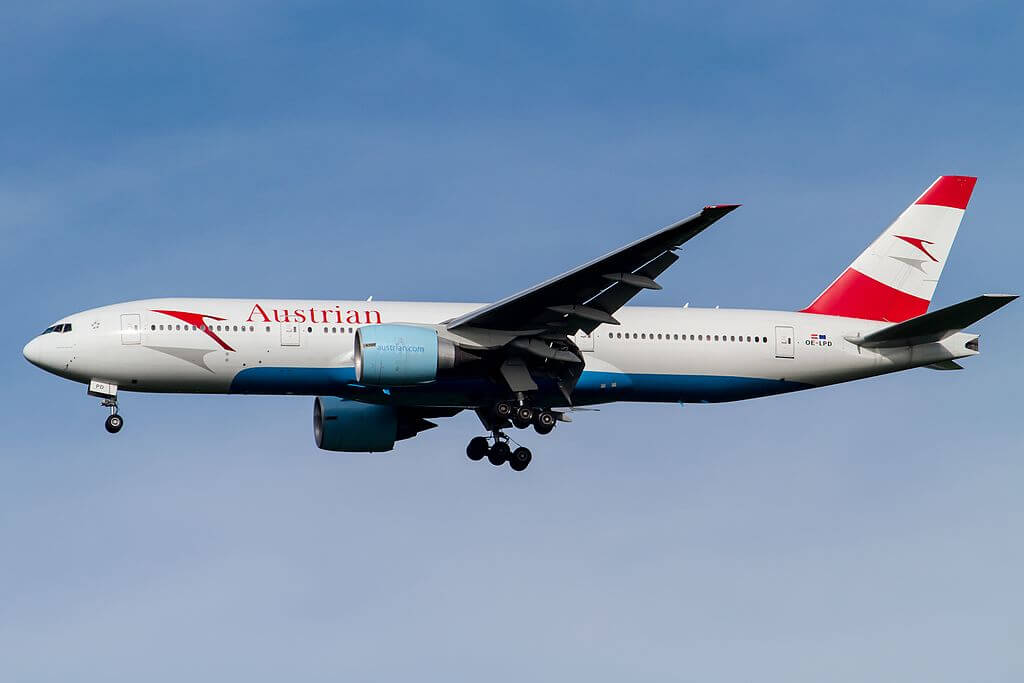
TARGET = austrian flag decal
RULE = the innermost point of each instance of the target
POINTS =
(818, 340)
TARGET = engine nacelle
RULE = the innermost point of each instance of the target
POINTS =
(396, 355)
(340, 425)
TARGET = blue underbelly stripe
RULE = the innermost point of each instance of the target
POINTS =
(593, 387)
(686, 388)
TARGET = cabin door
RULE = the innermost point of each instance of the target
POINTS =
(289, 334)
(784, 345)
(131, 324)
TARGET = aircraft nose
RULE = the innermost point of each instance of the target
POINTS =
(33, 352)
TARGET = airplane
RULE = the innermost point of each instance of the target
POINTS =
(381, 371)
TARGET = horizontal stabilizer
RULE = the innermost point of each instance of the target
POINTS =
(934, 326)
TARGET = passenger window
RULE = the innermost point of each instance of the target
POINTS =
(309, 329)
(732, 338)
(268, 328)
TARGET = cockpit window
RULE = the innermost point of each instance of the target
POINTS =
(63, 327)
(67, 327)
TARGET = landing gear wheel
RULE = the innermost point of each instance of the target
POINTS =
(114, 423)
(477, 448)
(503, 410)
(498, 454)
(520, 459)
(544, 422)
(522, 417)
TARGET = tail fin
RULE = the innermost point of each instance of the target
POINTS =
(895, 277)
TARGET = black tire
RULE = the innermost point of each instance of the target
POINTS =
(520, 459)
(520, 424)
(503, 410)
(544, 421)
(477, 448)
(498, 454)
(524, 414)
(114, 424)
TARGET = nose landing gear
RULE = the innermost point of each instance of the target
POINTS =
(108, 392)
(114, 423)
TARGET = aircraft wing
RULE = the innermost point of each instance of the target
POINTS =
(589, 295)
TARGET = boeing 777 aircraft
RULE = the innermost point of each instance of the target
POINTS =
(380, 371)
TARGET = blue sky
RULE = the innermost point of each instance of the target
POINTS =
(409, 151)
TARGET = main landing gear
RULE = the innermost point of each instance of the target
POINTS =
(500, 452)
(497, 448)
(522, 416)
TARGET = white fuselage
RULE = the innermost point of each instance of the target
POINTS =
(261, 346)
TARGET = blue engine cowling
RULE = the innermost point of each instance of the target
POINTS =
(399, 355)
(340, 425)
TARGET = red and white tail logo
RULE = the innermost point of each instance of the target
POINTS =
(894, 279)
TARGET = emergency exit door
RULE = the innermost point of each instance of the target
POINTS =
(784, 345)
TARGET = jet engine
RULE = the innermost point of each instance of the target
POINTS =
(396, 355)
(354, 427)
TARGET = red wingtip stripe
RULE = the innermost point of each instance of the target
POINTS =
(953, 191)
(855, 295)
